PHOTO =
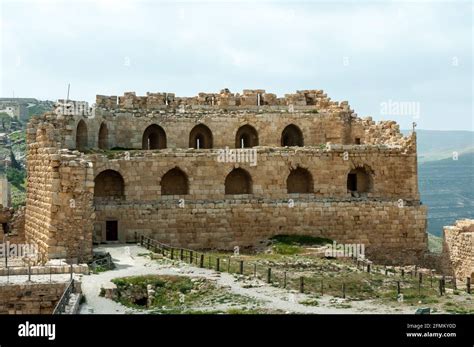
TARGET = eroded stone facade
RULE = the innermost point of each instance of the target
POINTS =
(458, 249)
(151, 165)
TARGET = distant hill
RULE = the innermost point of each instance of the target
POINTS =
(440, 144)
(447, 188)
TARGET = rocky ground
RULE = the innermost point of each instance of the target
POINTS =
(241, 294)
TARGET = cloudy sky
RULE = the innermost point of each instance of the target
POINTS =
(373, 54)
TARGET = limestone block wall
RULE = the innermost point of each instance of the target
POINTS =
(390, 234)
(125, 128)
(30, 298)
(43, 179)
(63, 216)
(458, 249)
(209, 218)
(58, 207)
(393, 172)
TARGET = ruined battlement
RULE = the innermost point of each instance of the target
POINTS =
(248, 99)
(458, 249)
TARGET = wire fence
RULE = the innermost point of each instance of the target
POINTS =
(357, 283)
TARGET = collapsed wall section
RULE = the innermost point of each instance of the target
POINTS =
(458, 249)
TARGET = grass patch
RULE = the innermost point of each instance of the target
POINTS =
(309, 302)
(301, 240)
(292, 244)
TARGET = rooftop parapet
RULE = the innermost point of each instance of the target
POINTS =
(248, 98)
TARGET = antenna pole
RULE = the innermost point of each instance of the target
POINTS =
(68, 87)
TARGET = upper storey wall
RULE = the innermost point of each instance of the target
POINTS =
(122, 122)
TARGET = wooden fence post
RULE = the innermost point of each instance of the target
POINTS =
(228, 264)
(403, 272)
(284, 279)
(255, 270)
(201, 261)
(301, 284)
(441, 287)
(468, 285)
(368, 268)
(172, 254)
(398, 288)
(269, 275)
(181, 254)
(191, 257)
(218, 264)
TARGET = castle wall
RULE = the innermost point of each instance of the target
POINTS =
(390, 234)
(63, 216)
(30, 298)
(458, 249)
(58, 202)
(393, 173)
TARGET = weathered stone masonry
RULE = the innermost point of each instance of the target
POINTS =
(350, 179)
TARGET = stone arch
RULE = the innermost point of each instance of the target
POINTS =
(109, 184)
(238, 181)
(174, 182)
(359, 180)
(292, 136)
(300, 181)
(103, 136)
(154, 137)
(81, 135)
(246, 137)
(200, 137)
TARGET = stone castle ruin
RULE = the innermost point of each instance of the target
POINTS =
(149, 165)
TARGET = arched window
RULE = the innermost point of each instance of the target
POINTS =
(81, 135)
(109, 184)
(154, 137)
(292, 136)
(103, 136)
(200, 137)
(359, 180)
(299, 181)
(238, 181)
(246, 137)
(174, 182)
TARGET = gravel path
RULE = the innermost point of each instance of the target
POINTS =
(129, 263)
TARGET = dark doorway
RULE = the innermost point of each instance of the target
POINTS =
(352, 182)
(111, 230)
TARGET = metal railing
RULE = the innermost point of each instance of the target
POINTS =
(64, 300)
